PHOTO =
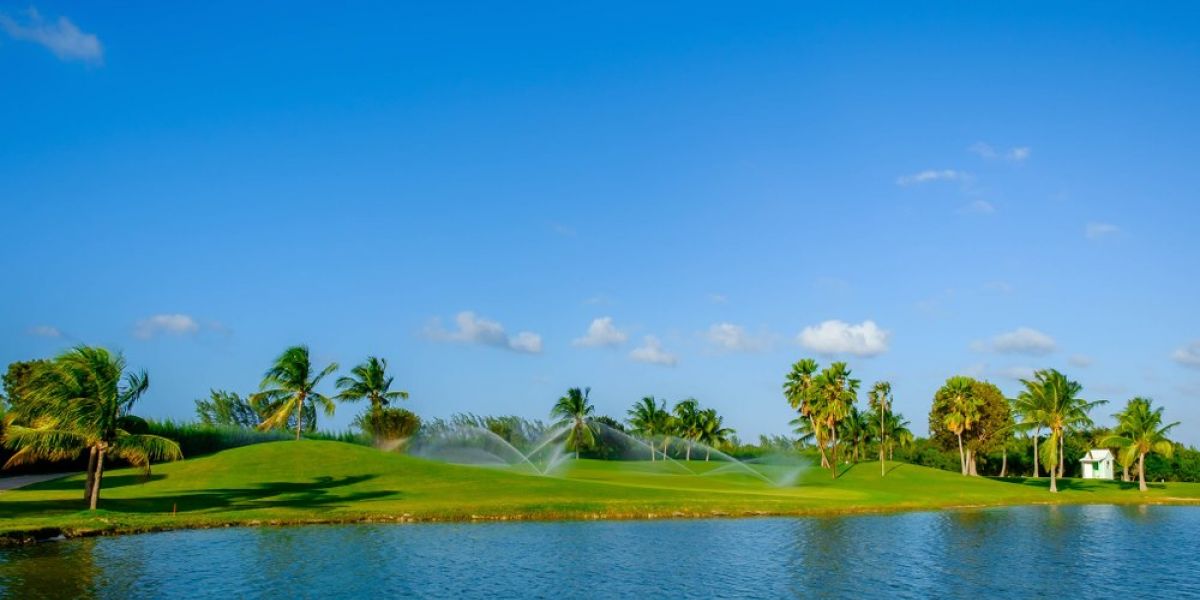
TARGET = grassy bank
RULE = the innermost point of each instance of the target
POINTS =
(315, 482)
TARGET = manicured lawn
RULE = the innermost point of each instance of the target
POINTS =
(312, 481)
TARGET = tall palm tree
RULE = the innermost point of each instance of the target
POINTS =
(898, 433)
(1030, 409)
(289, 387)
(82, 402)
(713, 431)
(648, 418)
(962, 411)
(880, 399)
(687, 423)
(834, 393)
(1140, 431)
(575, 409)
(803, 428)
(369, 380)
(799, 390)
(1060, 410)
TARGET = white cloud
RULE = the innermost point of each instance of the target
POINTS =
(1189, 355)
(1022, 340)
(1016, 372)
(48, 331)
(526, 341)
(986, 151)
(735, 338)
(651, 351)
(929, 175)
(1081, 361)
(473, 329)
(165, 324)
(978, 207)
(718, 298)
(61, 37)
(602, 332)
(1096, 231)
(839, 337)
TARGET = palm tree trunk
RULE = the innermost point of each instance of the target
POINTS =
(1004, 463)
(299, 415)
(688, 453)
(1142, 472)
(962, 459)
(971, 463)
(91, 476)
(882, 443)
(706, 453)
(1125, 473)
(1035, 455)
(833, 467)
(95, 499)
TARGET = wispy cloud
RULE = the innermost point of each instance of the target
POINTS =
(1189, 355)
(601, 332)
(838, 337)
(473, 329)
(165, 324)
(931, 175)
(1098, 231)
(1080, 360)
(977, 207)
(1017, 372)
(61, 37)
(718, 298)
(986, 151)
(1022, 340)
(734, 338)
(47, 331)
(652, 352)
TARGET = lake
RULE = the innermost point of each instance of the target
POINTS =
(1082, 551)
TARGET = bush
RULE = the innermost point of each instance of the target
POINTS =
(389, 424)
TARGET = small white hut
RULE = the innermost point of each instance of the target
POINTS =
(1098, 464)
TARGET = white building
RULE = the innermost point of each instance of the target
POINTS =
(1098, 464)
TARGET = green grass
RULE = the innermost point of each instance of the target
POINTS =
(322, 481)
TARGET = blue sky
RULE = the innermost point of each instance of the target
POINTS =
(712, 191)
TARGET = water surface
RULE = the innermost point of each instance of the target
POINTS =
(1024, 552)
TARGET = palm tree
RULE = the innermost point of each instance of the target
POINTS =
(834, 394)
(880, 398)
(575, 410)
(713, 432)
(962, 411)
(369, 380)
(82, 401)
(1140, 431)
(799, 389)
(650, 419)
(855, 431)
(687, 423)
(803, 428)
(289, 387)
(1030, 409)
(898, 433)
(1060, 409)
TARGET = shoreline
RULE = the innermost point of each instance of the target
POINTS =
(37, 535)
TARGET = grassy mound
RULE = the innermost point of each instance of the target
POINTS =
(316, 481)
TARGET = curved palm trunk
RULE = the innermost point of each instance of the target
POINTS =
(95, 499)
(91, 476)
(1142, 472)
(1004, 463)
(707, 452)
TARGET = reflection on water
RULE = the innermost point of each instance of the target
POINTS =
(1096, 551)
